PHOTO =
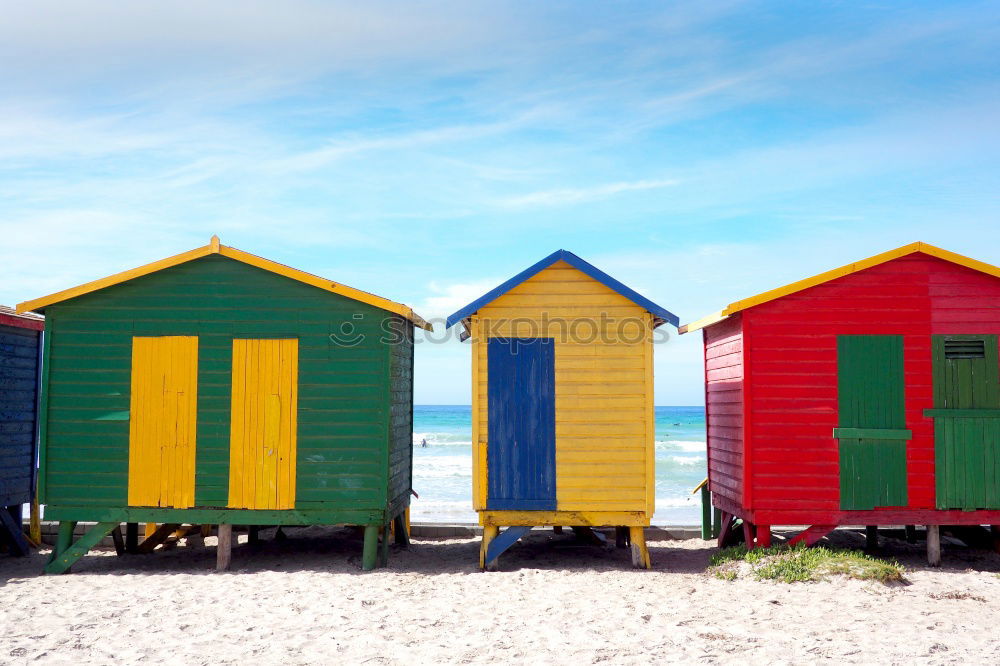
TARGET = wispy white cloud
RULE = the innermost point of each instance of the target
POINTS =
(573, 195)
(445, 299)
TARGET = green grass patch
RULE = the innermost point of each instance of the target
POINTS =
(799, 564)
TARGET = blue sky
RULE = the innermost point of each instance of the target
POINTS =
(699, 152)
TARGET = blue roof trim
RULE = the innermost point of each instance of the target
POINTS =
(577, 263)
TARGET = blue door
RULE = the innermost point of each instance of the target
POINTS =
(521, 418)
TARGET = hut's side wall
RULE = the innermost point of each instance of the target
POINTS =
(342, 397)
(724, 408)
(401, 421)
(604, 392)
(793, 374)
(18, 393)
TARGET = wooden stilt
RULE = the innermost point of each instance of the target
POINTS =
(911, 533)
(716, 522)
(749, 536)
(253, 535)
(812, 534)
(131, 537)
(401, 534)
(206, 530)
(64, 539)
(871, 537)
(35, 522)
(150, 530)
(369, 556)
(10, 524)
(383, 553)
(159, 535)
(725, 528)
(763, 536)
(934, 545)
(640, 554)
(706, 513)
(224, 551)
(116, 536)
(490, 532)
(67, 556)
(621, 537)
(589, 534)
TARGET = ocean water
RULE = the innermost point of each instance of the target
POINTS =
(442, 471)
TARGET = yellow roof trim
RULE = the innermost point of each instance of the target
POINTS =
(707, 320)
(925, 248)
(214, 247)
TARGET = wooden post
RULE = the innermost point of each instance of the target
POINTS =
(706, 513)
(66, 558)
(224, 551)
(871, 537)
(640, 554)
(116, 536)
(763, 536)
(934, 545)
(716, 522)
(253, 535)
(35, 522)
(726, 521)
(749, 535)
(490, 532)
(13, 527)
(383, 554)
(150, 529)
(621, 537)
(911, 533)
(158, 536)
(400, 532)
(369, 556)
(131, 537)
(64, 539)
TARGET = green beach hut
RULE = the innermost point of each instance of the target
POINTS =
(216, 387)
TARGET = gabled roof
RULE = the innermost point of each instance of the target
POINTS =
(660, 314)
(39, 304)
(925, 248)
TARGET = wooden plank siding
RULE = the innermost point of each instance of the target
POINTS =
(604, 434)
(724, 407)
(343, 409)
(401, 415)
(18, 396)
(793, 380)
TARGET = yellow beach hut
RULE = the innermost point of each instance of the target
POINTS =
(562, 403)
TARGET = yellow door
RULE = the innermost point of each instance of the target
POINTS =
(263, 424)
(163, 421)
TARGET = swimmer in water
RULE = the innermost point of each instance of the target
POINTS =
(423, 443)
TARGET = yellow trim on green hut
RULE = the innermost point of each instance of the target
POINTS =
(214, 247)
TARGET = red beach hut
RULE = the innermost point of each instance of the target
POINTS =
(866, 395)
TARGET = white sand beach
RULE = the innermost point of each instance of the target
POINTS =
(305, 600)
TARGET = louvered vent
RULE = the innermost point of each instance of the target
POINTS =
(956, 349)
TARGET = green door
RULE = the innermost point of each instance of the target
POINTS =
(966, 421)
(872, 415)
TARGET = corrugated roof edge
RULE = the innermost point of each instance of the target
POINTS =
(660, 313)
